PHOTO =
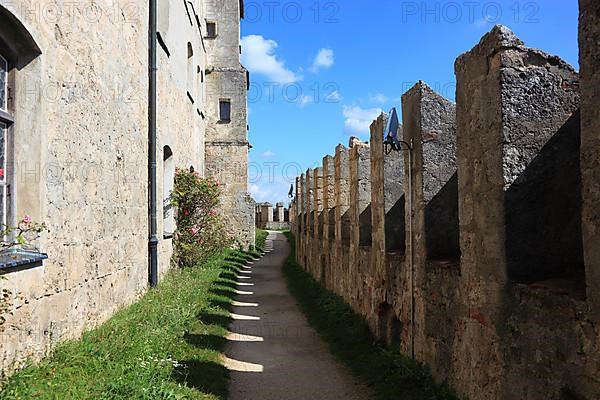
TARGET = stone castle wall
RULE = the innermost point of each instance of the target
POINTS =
(489, 222)
(227, 141)
(81, 158)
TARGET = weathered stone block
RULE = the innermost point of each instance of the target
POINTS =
(317, 233)
(387, 193)
(328, 223)
(510, 101)
(498, 136)
(308, 216)
(589, 59)
(342, 195)
(360, 200)
(429, 126)
(341, 217)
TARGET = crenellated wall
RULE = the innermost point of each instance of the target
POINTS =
(487, 217)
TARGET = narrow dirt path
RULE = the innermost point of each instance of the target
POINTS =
(272, 352)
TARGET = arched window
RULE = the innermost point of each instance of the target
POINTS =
(168, 184)
(190, 71)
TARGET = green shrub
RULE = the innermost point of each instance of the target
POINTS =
(200, 232)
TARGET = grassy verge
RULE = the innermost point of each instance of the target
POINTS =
(389, 375)
(166, 346)
(261, 239)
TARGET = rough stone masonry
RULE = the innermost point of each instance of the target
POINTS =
(499, 226)
(80, 152)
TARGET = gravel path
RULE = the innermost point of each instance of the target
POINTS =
(272, 352)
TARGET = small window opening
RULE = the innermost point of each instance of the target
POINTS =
(190, 71)
(211, 30)
(225, 110)
(168, 184)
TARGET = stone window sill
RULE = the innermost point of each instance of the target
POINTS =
(20, 259)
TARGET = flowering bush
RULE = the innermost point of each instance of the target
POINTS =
(21, 235)
(200, 231)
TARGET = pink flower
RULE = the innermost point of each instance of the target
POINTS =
(27, 219)
(194, 231)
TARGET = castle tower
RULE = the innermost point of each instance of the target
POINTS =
(227, 127)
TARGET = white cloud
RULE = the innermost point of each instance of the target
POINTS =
(357, 119)
(305, 100)
(259, 57)
(379, 98)
(273, 192)
(268, 154)
(259, 193)
(334, 96)
(324, 59)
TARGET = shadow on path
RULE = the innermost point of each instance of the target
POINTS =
(272, 352)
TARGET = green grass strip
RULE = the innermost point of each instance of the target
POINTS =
(261, 239)
(165, 346)
(389, 375)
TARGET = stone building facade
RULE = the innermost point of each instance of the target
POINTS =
(76, 151)
(227, 131)
(475, 248)
(269, 217)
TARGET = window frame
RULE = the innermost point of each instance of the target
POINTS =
(18, 49)
(221, 120)
(7, 113)
(4, 179)
(168, 183)
(190, 75)
(216, 32)
(4, 90)
(7, 121)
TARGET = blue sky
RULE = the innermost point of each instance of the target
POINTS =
(322, 70)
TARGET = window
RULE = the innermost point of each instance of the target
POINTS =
(3, 181)
(211, 30)
(3, 84)
(190, 71)
(168, 184)
(225, 110)
(17, 50)
(6, 120)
